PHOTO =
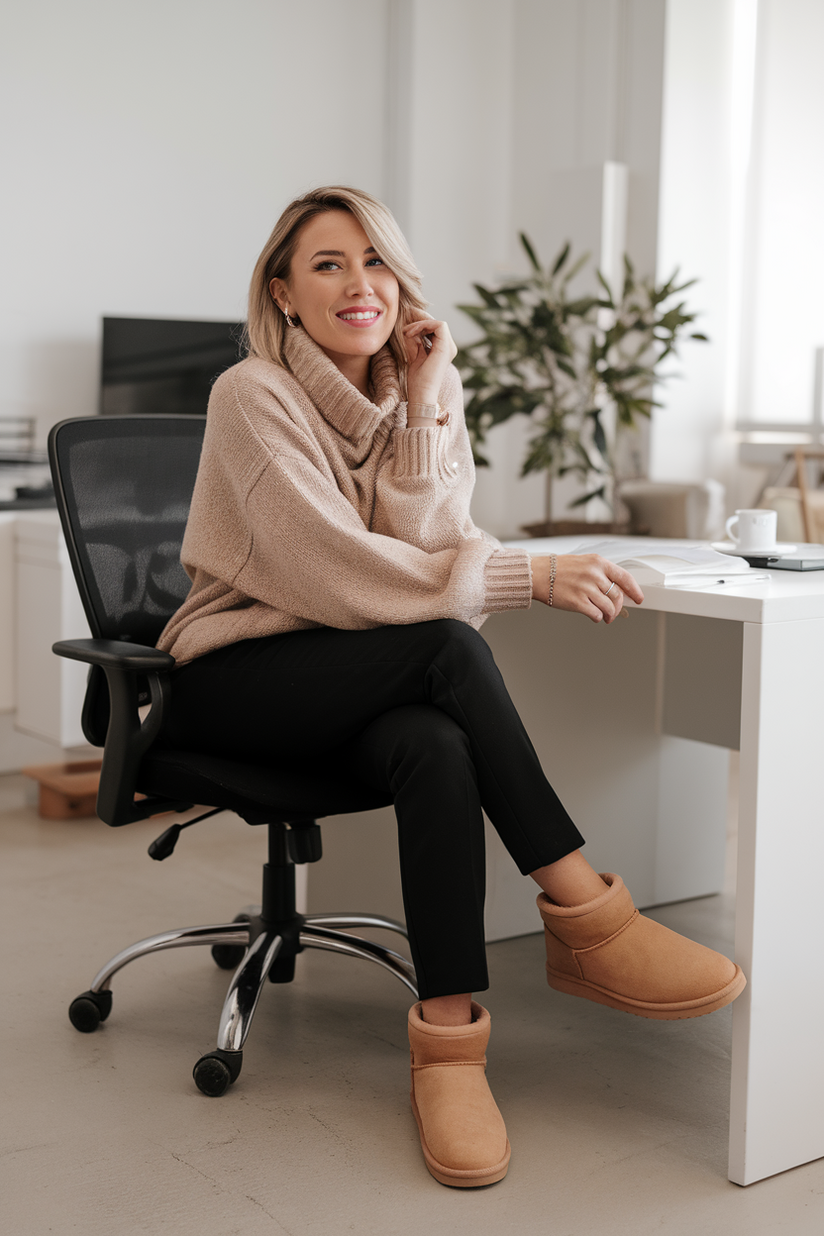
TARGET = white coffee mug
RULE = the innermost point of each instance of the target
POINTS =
(756, 530)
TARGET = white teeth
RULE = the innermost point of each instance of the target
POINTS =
(358, 317)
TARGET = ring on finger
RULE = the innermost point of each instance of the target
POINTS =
(610, 588)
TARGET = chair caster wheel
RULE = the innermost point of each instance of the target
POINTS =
(88, 1010)
(215, 1072)
(229, 956)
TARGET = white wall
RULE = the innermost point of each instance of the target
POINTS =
(149, 147)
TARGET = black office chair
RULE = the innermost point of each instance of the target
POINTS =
(124, 486)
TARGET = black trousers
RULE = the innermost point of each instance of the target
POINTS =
(420, 711)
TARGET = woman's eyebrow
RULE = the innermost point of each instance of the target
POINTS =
(335, 253)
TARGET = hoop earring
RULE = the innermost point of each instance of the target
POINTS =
(288, 319)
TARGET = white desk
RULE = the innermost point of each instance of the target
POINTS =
(769, 637)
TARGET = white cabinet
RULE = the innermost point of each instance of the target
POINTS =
(49, 690)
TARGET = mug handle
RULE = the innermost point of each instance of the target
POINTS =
(733, 519)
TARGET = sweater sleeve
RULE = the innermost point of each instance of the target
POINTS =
(424, 488)
(311, 556)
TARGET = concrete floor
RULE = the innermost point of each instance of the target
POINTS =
(618, 1125)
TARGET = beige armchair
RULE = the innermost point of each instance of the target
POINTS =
(678, 509)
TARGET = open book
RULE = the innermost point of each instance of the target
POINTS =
(674, 566)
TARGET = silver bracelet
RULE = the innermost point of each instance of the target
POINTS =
(553, 567)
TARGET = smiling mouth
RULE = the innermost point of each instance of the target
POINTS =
(366, 315)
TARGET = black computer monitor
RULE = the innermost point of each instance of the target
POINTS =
(164, 365)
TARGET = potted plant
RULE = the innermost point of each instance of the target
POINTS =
(582, 368)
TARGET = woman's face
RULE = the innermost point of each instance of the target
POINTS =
(344, 295)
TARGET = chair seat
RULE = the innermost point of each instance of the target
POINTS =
(261, 795)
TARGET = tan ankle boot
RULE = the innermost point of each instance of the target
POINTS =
(462, 1132)
(606, 951)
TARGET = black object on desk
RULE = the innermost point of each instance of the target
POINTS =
(804, 558)
(32, 493)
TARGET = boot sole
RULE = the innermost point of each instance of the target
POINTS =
(457, 1178)
(641, 1008)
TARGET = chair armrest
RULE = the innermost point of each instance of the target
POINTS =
(113, 653)
(128, 737)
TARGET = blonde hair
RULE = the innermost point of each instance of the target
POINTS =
(266, 326)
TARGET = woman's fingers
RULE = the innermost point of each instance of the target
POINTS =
(613, 601)
(586, 584)
(431, 335)
(429, 350)
(626, 582)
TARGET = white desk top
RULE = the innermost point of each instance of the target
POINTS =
(787, 596)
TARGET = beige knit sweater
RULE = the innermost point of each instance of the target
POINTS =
(316, 507)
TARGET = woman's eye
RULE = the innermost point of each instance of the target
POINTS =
(327, 265)
(376, 261)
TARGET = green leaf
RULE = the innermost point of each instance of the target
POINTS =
(475, 312)
(585, 498)
(629, 277)
(542, 456)
(475, 381)
(576, 266)
(580, 308)
(489, 298)
(530, 252)
(506, 402)
(610, 302)
(598, 435)
(560, 259)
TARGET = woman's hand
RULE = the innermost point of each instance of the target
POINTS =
(585, 584)
(430, 350)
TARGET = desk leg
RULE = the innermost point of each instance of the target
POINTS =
(777, 1096)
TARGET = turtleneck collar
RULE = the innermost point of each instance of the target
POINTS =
(341, 403)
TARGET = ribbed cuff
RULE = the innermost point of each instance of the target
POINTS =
(508, 580)
(417, 450)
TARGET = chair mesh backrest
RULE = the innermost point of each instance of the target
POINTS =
(124, 485)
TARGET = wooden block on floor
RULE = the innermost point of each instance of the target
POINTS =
(67, 791)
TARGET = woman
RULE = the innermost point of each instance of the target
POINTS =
(338, 583)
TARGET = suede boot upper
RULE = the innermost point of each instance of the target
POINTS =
(608, 952)
(462, 1132)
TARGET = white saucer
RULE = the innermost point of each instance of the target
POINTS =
(775, 551)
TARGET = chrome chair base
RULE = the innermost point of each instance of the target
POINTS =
(262, 943)
(214, 1072)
